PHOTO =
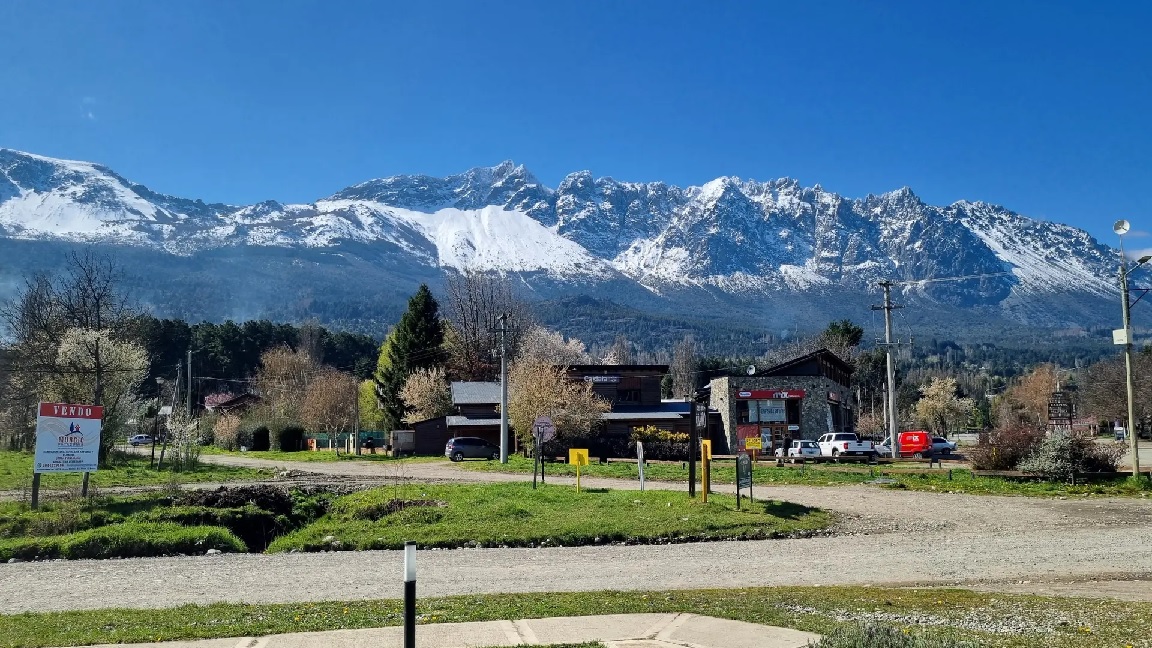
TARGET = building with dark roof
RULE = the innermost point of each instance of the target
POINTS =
(802, 398)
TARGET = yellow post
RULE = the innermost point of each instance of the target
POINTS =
(578, 457)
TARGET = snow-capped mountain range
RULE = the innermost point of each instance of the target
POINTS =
(741, 239)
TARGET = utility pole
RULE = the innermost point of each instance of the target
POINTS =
(189, 386)
(888, 307)
(503, 330)
(1134, 438)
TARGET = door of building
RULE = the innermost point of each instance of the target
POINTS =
(772, 436)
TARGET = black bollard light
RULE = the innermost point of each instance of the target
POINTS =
(409, 594)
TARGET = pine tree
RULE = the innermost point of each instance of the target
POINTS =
(416, 342)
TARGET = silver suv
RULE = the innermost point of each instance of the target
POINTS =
(462, 448)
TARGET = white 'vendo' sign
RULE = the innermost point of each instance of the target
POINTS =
(67, 437)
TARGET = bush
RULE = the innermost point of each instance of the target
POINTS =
(1004, 448)
(290, 439)
(226, 432)
(1061, 455)
(254, 526)
(878, 636)
(258, 438)
(660, 444)
(56, 519)
(127, 540)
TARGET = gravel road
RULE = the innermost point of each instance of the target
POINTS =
(884, 537)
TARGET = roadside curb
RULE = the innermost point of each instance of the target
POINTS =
(656, 630)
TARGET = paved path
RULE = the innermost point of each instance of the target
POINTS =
(884, 537)
(616, 631)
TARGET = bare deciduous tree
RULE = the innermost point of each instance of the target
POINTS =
(683, 368)
(539, 344)
(282, 383)
(475, 302)
(330, 402)
(540, 388)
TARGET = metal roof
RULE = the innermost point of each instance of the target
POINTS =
(464, 421)
(643, 416)
(475, 393)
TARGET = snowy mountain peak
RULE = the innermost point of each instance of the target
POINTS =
(732, 235)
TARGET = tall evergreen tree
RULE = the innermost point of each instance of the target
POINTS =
(416, 342)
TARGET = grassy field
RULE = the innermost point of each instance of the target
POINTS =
(515, 515)
(126, 470)
(986, 620)
(766, 473)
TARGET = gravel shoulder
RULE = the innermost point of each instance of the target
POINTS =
(884, 537)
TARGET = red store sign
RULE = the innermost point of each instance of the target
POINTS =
(770, 394)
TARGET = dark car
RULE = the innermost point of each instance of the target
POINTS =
(462, 448)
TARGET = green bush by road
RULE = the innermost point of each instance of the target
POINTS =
(768, 474)
(125, 470)
(124, 540)
(517, 515)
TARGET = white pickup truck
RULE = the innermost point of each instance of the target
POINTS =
(836, 444)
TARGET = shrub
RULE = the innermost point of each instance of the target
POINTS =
(1004, 448)
(258, 438)
(290, 439)
(226, 432)
(878, 636)
(254, 526)
(1061, 455)
(127, 540)
(659, 444)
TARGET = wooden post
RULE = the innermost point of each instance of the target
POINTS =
(35, 491)
(84, 486)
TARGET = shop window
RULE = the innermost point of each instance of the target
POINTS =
(792, 408)
(744, 413)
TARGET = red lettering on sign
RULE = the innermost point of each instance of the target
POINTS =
(65, 410)
(770, 394)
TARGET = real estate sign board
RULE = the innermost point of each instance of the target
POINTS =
(67, 437)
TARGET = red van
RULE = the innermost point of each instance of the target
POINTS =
(915, 443)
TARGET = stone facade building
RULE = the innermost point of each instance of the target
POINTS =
(799, 399)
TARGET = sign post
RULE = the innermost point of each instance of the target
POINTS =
(544, 431)
(578, 457)
(67, 440)
(743, 476)
(706, 476)
(640, 462)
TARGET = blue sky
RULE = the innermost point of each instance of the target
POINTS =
(1039, 106)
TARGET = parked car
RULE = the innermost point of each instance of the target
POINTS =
(943, 446)
(462, 448)
(799, 448)
(844, 443)
(140, 439)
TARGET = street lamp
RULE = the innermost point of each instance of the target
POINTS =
(1124, 337)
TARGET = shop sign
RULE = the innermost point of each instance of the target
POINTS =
(771, 394)
(602, 380)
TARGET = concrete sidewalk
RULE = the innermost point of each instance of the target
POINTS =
(614, 630)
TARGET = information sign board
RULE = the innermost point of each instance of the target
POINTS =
(754, 444)
(67, 438)
(743, 471)
(578, 457)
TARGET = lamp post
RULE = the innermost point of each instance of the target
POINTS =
(1121, 228)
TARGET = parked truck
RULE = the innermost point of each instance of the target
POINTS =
(838, 444)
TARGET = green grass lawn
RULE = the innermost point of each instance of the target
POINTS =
(126, 470)
(513, 514)
(1020, 621)
(767, 473)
